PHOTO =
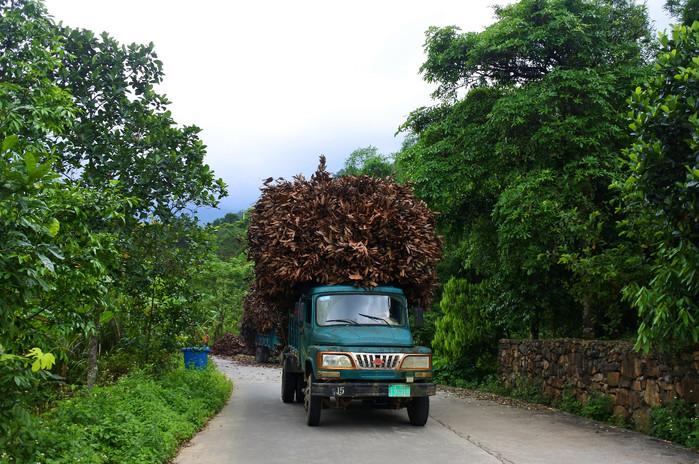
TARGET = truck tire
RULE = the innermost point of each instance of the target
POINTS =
(300, 385)
(261, 354)
(288, 385)
(312, 404)
(419, 410)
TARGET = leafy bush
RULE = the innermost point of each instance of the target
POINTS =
(456, 374)
(141, 418)
(598, 407)
(526, 390)
(676, 421)
(466, 334)
(568, 403)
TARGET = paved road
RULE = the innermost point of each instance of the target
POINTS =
(256, 427)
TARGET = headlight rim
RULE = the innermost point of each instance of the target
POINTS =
(319, 360)
(416, 355)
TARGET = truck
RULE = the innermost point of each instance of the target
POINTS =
(348, 344)
(265, 344)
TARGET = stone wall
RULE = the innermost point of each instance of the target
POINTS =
(585, 367)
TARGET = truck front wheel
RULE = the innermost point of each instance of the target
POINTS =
(312, 404)
(419, 410)
(300, 385)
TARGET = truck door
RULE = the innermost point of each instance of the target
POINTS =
(306, 327)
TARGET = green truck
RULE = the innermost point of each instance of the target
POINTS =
(346, 344)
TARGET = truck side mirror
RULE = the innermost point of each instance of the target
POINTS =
(419, 317)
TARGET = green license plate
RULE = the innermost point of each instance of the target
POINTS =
(400, 390)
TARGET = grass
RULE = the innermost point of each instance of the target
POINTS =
(141, 418)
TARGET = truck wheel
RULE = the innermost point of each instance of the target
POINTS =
(419, 410)
(288, 385)
(261, 354)
(312, 404)
(300, 385)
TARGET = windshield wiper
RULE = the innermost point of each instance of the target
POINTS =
(349, 321)
(376, 318)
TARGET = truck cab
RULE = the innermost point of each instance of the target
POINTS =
(348, 343)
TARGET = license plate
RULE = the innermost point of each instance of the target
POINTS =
(399, 390)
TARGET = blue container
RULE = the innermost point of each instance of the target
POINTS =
(196, 357)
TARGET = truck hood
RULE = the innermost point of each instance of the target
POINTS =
(353, 335)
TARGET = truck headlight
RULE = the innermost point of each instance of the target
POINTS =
(416, 362)
(335, 361)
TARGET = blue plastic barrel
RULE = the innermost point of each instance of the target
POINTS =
(196, 357)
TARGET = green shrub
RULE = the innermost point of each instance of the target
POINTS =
(598, 407)
(526, 390)
(139, 419)
(493, 384)
(569, 403)
(463, 374)
(676, 421)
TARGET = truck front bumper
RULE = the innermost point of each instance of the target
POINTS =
(368, 389)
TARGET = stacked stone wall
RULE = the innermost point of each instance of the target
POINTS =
(635, 382)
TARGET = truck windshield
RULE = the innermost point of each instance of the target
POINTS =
(359, 309)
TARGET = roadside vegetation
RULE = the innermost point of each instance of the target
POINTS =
(142, 417)
(104, 267)
(561, 156)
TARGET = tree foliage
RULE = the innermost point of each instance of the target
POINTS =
(518, 157)
(661, 193)
(367, 161)
(96, 251)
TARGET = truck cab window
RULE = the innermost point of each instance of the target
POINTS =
(360, 309)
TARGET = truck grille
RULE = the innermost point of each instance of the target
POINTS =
(378, 360)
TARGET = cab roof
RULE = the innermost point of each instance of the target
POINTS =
(352, 289)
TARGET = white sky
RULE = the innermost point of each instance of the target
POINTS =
(275, 83)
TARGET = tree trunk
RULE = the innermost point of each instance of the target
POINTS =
(535, 324)
(93, 347)
(588, 320)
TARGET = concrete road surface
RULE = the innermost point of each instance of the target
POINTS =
(256, 427)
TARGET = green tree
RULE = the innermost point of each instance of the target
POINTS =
(55, 239)
(467, 332)
(81, 262)
(124, 131)
(661, 194)
(223, 285)
(518, 156)
(367, 161)
(686, 11)
(231, 235)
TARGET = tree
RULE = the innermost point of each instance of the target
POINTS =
(231, 235)
(687, 11)
(661, 194)
(124, 131)
(367, 161)
(52, 253)
(518, 156)
(467, 333)
(80, 126)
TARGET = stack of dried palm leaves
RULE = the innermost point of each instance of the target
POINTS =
(229, 345)
(359, 230)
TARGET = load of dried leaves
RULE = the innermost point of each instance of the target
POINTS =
(229, 345)
(337, 230)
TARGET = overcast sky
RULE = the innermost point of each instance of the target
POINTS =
(275, 83)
